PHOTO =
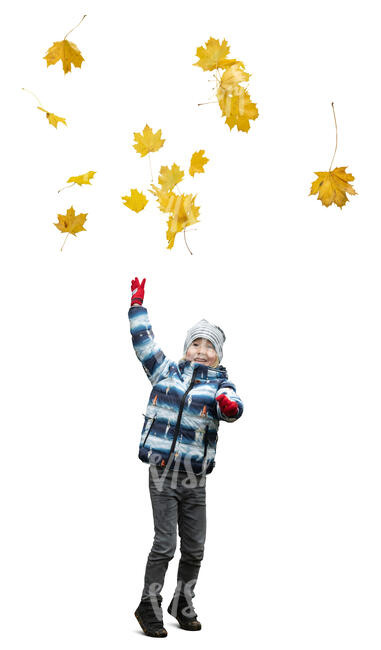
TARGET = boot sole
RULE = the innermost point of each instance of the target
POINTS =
(184, 627)
(147, 632)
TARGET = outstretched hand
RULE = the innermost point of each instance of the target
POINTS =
(227, 406)
(137, 289)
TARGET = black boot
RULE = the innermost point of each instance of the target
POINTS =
(184, 613)
(151, 624)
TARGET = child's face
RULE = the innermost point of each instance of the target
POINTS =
(202, 351)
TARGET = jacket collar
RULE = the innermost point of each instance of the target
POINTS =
(202, 371)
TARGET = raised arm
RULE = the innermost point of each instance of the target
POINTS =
(154, 362)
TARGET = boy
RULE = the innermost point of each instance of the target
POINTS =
(179, 440)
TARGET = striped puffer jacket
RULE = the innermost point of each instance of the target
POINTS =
(180, 429)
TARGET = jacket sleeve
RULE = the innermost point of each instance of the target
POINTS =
(154, 362)
(228, 389)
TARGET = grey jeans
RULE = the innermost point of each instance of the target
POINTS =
(178, 499)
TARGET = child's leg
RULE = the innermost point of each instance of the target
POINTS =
(192, 531)
(164, 507)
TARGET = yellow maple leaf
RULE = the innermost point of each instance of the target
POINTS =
(197, 162)
(232, 77)
(83, 179)
(53, 119)
(213, 55)
(181, 208)
(166, 200)
(332, 186)
(137, 201)
(237, 108)
(148, 141)
(226, 63)
(184, 214)
(234, 99)
(168, 178)
(70, 222)
(67, 52)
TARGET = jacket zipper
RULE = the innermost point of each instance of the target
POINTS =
(149, 430)
(177, 429)
(206, 440)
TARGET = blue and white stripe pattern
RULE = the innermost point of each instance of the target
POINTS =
(180, 429)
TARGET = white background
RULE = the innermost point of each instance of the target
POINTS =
(292, 553)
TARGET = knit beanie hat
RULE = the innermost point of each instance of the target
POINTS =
(205, 330)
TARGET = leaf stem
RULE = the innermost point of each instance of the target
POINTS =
(217, 78)
(29, 91)
(186, 243)
(334, 153)
(65, 188)
(65, 240)
(213, 102)
(75, 26)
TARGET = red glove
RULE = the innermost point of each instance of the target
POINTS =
(137, 291)
(227, 406)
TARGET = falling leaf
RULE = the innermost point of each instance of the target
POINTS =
(232, 77)
(53, 119)
(332, 186)
(197, 163)
(185, 214)
(214, 55)
(238, 109)
(67, 52)
(181, 209)
(70, 222)
(148, 141)
(166, 200)
(136, 201)
(168, 178)
(233, 98)
(83, 179)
